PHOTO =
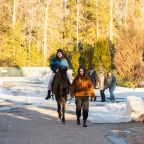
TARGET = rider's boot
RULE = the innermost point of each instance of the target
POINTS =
(48, 95)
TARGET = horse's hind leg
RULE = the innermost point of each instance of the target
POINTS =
(59, 110)
(63, 111)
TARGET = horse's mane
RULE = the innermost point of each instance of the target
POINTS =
(62, 72)
(60, 75)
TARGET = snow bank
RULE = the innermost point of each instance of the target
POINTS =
(135, 107)
(109, 113)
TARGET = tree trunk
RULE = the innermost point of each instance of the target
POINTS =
(125, 13)
(77, 26)
(97, 18)
(30, 38)
(111, 20)
(64, 7)
(45, 33)
(13, 25)
(14, 13)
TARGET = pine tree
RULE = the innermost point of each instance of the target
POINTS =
(102, 59)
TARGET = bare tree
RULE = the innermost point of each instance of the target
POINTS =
(126, 6)
(111, 21)
(77, 26)
(14, 13)
(97, 18)
(13, 24)
(45, 31)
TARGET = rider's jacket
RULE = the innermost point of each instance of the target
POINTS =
(57, 62)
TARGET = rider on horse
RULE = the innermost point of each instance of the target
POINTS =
(59, 61)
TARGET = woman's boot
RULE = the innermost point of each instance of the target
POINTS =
(84, 123)
(48, 95)
(78, 120)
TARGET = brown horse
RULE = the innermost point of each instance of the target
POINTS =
(60, 90)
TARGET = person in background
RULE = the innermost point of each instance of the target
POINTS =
(58, 61)
(93, 76)
(102, 85)
(111, 84)
(82, 89)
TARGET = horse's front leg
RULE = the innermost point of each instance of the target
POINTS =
(59, 110)
(63, 111)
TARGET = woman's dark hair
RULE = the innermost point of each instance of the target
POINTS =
(59, 50)
(79, 70)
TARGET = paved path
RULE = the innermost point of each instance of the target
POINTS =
(28, 124)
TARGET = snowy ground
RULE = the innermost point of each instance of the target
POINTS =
(31, 91)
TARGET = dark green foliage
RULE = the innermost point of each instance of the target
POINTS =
(75, 61)
(102, 59)
(86, 57)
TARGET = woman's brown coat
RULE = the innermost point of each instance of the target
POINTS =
(82, 86)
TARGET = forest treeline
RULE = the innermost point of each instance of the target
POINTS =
(108, 34)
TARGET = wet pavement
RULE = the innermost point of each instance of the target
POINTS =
(133, 135)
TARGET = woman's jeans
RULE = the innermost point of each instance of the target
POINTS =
(82, 103)
(111, 90)
(102, 95)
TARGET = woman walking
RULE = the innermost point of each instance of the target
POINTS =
(82, 89)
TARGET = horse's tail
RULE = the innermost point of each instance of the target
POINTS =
(62, 100)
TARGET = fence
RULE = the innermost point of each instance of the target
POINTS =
(23, 71)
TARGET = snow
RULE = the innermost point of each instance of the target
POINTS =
(135, 107)
(33, 90)
(111, 113)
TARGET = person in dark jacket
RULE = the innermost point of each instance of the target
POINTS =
(111, 84)
(93, 76)
(82, 89)
(56, 62)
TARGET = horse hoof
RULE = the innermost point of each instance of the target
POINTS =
(58, 119)
(84, 125)
(63, 123)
